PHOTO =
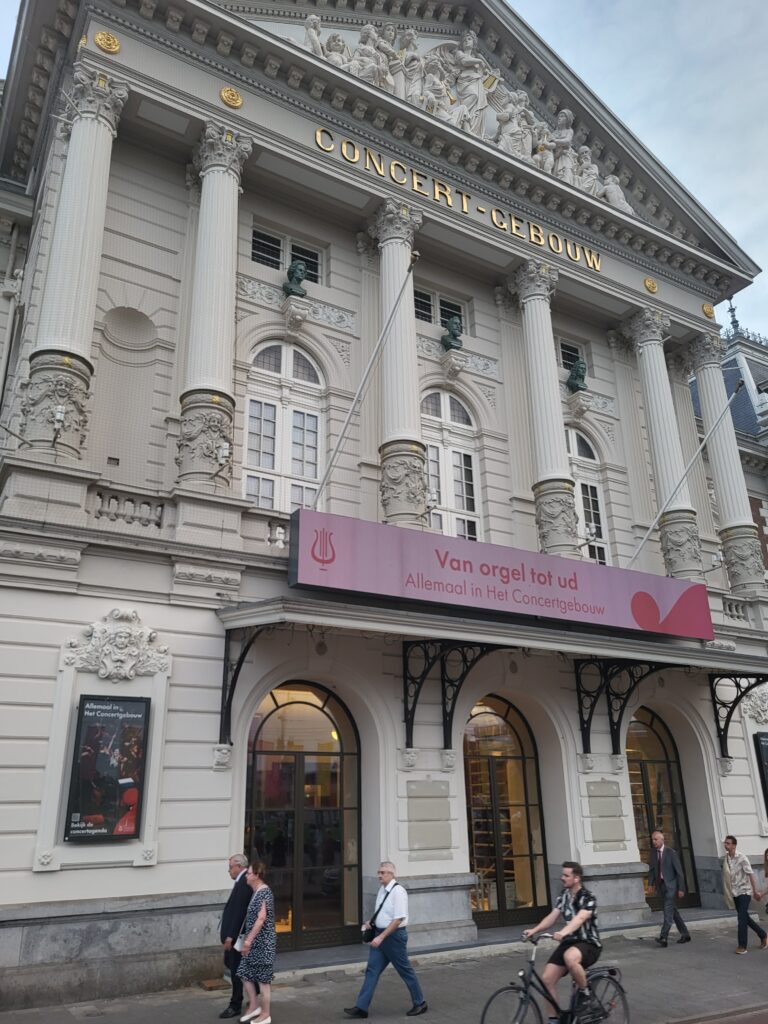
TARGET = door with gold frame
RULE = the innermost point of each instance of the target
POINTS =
(302, 813)
(658, 798)
(506, 828)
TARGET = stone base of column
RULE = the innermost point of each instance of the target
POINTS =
(53, 414)
(743, 559)
(204, 453)
(680, 544)
(556, 519)
(403, 488)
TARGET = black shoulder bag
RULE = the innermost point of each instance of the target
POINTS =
(369, 933)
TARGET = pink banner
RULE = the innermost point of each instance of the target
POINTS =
(337, 553)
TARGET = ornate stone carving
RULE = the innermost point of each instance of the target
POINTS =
(185, 572)
(453, 363)
(395, 222)
(448, 760)
(53, 405)
(221, 149)
(534, 280)
(743, 558)
(556, 518)
(679, 367)
(586, 763)
(205, 438)
(258, 291)
(680, 544)
(118, 648)
(403, 487)
(649, 325)
(320, 312)
(481, 365)
(98, 96)
(579, 405)
(409, 757)
(343, 348)
(222, 757)
(755, 705)
(725, 765)
(45, 859)
(618, 763)
(707, 349)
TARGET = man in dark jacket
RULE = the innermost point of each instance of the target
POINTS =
(665, 873)
(231, 925)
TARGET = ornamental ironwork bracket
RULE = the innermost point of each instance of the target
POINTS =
(456, 662)
(230, 676)
(725, 701)
(618, 680)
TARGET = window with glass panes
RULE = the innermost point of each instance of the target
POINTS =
(283, 450)
(589, 503)
(279, 252)
(449, 435)
(436, 309)
(569, 354)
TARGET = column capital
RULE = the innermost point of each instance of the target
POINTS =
(534, 279)
(707, 350)
(395, 222)
(680, 366)
(98, 96)
(646, 327)
(221, 149)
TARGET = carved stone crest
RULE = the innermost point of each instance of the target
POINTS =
(118, 648)
(222, 757)
(409, 757)
(448, 759)
(755, 705)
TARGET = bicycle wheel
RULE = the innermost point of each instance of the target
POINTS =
(510, 1006)
(611, 998)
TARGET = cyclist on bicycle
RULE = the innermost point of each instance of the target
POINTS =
(579, 938)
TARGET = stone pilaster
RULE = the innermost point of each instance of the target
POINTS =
(737, 530)
(207, 402)
(403, 489)
(553, 489)
(60, 371)
(678, 527)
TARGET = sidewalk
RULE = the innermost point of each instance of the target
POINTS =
(681, 983)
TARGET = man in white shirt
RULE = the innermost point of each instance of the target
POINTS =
(389, 945)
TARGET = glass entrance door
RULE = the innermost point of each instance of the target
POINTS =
(506, 835)
(302, 816)
(658, 799)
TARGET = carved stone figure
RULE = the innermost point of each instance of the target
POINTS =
(118, 648)
(452, 337)
(336, 51)
(544, 157)
(470, 82)
(587, 174)
(510, 136)
(437, 99)
(297, 271)
(312, 36)
(205, 434)
(612, 193)
(367, 63)
(556, 519)
(51, 396)
(755, 705)
(385, 44)
(680, 546)
(527, 121)
(576, 377)
(413, 66)
(565, 157)
(403, 484)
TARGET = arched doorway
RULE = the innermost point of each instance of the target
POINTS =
(506, 831)
(658, 798)
(302, 813)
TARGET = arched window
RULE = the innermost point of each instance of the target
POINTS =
(452, 483)
(585, 467)
(283, 447)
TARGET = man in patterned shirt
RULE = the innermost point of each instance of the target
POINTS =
(579, 938)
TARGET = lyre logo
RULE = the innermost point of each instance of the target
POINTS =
(323, 551)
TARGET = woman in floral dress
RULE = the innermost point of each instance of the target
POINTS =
(260, 946)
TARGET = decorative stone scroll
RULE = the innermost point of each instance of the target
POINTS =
(319, 312)
(454, 83)
(118, 648)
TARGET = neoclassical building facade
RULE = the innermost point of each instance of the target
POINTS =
(348, 496)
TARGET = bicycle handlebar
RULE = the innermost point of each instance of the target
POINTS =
(534, 939)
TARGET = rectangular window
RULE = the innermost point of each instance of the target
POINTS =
(569, 354)
(304, 445)
(267, 249)
(261, 491)
(422, 303)
(436, 521)
(463, 482)
(593, 521)
(302, 497)
(310, 258)
(466, 529)
(449, 309)
(262, 422)
(433, 475)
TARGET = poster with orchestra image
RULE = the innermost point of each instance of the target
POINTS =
(107, 787)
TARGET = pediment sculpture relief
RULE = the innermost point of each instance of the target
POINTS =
(453, 82)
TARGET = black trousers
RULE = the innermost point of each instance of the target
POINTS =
(232, 962)
(671, 913)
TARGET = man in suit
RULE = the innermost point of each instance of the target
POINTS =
(231, 925)
(665, 873)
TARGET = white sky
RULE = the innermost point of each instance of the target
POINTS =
(690, 80)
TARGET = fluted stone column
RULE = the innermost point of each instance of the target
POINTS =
(403, 486)
(553, 487)
(54, 404)
(678, 528)
(738, 532)
(207, 401)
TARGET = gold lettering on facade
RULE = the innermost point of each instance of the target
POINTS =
(439, 191)
(374, 160)
(350, 152)
(535, 233)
